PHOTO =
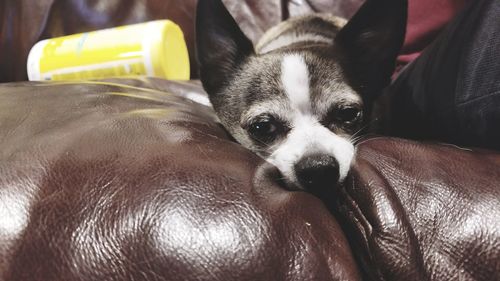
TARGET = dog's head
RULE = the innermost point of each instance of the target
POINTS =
(300, 108)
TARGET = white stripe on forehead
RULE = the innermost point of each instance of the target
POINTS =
(295, 80)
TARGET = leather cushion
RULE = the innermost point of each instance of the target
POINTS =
(108, 181)
(421, 211)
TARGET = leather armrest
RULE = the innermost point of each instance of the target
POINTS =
(421, 211)
(108, 181)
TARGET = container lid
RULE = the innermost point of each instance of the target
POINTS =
(169, 54)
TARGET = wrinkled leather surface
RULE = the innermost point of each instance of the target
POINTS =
(25, 22)
(102, 181)
(416, 211)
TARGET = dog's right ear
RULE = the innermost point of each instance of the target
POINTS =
(221, 46)
(371, 41)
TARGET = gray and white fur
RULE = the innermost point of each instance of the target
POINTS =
(303, 93)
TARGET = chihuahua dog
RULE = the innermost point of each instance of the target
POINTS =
(302, 95)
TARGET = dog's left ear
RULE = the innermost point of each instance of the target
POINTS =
(221, 46)
(370, 42)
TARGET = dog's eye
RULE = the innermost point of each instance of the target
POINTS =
(348, 115)
(265, 129)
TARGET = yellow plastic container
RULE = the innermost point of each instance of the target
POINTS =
(154, 48)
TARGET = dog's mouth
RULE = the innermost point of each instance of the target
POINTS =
(285, 182)
(322, 189)
(268, 172)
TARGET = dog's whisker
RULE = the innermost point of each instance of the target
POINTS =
(355, 137)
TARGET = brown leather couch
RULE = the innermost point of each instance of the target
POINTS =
(127, 179)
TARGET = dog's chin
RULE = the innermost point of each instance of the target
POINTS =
(289, 184)
(285, 182)
(322, 193)
(272, 173)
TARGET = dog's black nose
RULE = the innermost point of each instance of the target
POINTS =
(317, 172)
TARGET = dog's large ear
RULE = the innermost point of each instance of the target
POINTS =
(220, 45)
(371, 40)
